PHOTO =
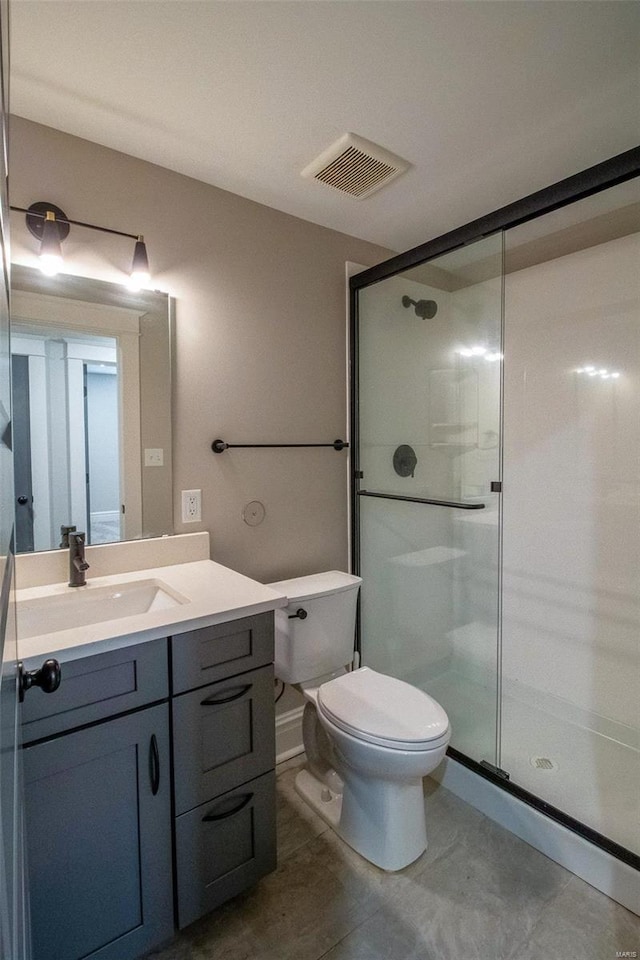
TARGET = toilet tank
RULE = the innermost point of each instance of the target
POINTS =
(324, 640)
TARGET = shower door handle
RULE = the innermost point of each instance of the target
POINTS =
(455, 504)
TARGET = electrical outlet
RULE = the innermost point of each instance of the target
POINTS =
(191, 506)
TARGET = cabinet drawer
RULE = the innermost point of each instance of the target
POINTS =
(224, 846)
(96, 687)
(224, 734)
(213, 653)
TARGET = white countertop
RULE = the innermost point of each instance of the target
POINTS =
(214, 594)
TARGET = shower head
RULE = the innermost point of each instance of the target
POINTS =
(426, 309)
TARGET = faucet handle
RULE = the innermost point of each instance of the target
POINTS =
(77, 543)
(77, 538)
(64, 535)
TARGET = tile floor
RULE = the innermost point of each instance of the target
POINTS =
(478, 893)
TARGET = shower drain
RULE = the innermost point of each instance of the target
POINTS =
(543, 763)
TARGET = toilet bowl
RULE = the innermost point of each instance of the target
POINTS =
(369, 738)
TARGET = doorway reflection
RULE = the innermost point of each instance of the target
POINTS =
(68, 465)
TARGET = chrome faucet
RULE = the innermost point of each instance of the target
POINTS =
(77, 562)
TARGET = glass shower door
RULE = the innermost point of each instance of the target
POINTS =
(427, 508)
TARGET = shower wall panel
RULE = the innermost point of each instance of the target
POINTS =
(571, 600)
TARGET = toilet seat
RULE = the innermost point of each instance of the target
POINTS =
(382, 710)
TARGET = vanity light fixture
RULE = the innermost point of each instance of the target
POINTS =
(50, 225)
(139, 277)
(50, 249)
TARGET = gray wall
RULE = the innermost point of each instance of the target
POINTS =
(260, 337)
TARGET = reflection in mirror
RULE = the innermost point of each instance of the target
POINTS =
(91, 366)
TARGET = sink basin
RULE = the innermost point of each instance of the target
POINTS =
(81, 606)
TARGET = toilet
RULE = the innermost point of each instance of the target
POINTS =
(369, 738)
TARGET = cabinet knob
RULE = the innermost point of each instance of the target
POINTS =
(48, 678)
(23, 501)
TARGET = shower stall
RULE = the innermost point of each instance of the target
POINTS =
(496, 495)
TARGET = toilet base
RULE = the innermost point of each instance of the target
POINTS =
(322, 800)
(388, 828)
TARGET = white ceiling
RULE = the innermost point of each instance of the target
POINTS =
(488, 99)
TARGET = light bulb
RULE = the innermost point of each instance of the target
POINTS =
(51, 261)
(138, 281)
(139, 277)
(50, 264)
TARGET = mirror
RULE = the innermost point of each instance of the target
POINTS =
(91, 365)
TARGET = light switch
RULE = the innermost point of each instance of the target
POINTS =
(154, 457)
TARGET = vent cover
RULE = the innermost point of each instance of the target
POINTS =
(356, 166)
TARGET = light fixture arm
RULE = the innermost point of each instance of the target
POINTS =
(63, 219)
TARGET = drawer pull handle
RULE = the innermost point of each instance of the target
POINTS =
(154, 765)
(208, 817)
(214, 700)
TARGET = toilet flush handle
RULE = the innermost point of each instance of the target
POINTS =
(300, 614)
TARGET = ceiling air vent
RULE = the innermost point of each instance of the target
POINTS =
(356, 166)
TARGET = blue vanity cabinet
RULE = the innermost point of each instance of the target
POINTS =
(224, 762)
(98, 809)
(149, 789)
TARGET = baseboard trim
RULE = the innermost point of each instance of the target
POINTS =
(289, 734)
(606, 873)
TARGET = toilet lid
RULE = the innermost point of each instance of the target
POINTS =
(380, 709)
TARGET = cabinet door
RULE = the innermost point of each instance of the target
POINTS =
(99, 839)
